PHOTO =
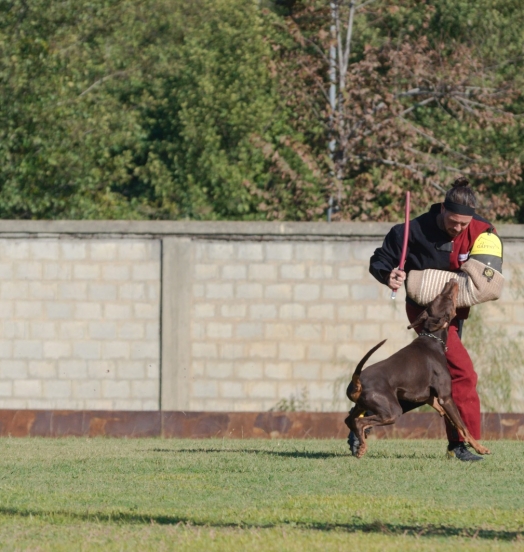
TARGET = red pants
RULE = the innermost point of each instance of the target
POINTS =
(463, 379)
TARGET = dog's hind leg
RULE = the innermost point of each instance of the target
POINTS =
(382, 416)
(355, 412)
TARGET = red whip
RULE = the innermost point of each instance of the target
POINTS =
(405, 243)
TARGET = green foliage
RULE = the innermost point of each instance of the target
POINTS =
(162, 109)
(58, 139)
(135, 109)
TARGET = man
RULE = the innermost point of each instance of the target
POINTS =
(447, 241)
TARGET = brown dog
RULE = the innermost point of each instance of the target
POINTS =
(417, 373)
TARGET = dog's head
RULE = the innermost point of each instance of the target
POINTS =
(439, 313)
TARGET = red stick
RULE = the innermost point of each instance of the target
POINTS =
(405, 243)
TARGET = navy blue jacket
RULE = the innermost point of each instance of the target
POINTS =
(428, 247)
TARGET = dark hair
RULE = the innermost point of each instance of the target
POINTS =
(461, 193)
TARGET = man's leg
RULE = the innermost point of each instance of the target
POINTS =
(463, 390)
(463, 385)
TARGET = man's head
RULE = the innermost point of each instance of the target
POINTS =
(453, 223)
(458, 208)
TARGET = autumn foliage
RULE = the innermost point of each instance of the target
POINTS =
(413, 111)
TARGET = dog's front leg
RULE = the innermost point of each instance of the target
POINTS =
(359, 428)
(454, 417)
(433, 402)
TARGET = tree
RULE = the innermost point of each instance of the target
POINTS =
(414, 108)
(218, 109)
(140, 109)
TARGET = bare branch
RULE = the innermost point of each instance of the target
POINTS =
(415, 168)
(379, 126)
(437, 142)
(364, 4)
(319, 50)
(348, 40)
(463, 104)
(436, 161)
(115, 75)
(413, 107)
(437, 186)
(484, 106)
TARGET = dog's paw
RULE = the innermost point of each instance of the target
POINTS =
(481, 449)
(362, 449)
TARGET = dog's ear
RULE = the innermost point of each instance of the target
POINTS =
(435, 324)
(422, 317)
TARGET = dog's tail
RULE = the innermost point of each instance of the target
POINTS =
(355, 387)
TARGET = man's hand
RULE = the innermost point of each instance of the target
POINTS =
(396, 279)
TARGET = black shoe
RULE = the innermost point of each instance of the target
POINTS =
(353, 443)
(461, 452)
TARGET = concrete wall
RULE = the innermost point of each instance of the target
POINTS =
(79, 323)
(200, 316)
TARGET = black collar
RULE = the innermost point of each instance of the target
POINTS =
(424, 334)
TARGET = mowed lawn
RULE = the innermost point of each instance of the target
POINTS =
(159, 494)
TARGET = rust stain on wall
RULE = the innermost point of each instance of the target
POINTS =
(233, 425)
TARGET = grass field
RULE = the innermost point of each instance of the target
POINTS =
(155, 494)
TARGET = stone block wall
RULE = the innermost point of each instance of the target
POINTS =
(202, 316)
(79, 323)
(273, 321)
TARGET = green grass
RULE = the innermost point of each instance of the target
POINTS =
(154, 494)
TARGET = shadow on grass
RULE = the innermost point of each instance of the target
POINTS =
(371, 455)
(427, 530)
(286, 454)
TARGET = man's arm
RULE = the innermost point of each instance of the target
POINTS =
(480, 277)
(385, 259)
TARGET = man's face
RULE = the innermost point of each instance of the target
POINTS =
(454, 224)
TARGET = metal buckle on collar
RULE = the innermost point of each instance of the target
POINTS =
(424, 334)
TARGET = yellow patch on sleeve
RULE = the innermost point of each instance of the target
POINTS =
(487, 244)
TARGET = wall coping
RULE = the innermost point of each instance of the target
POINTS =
(218, 230)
